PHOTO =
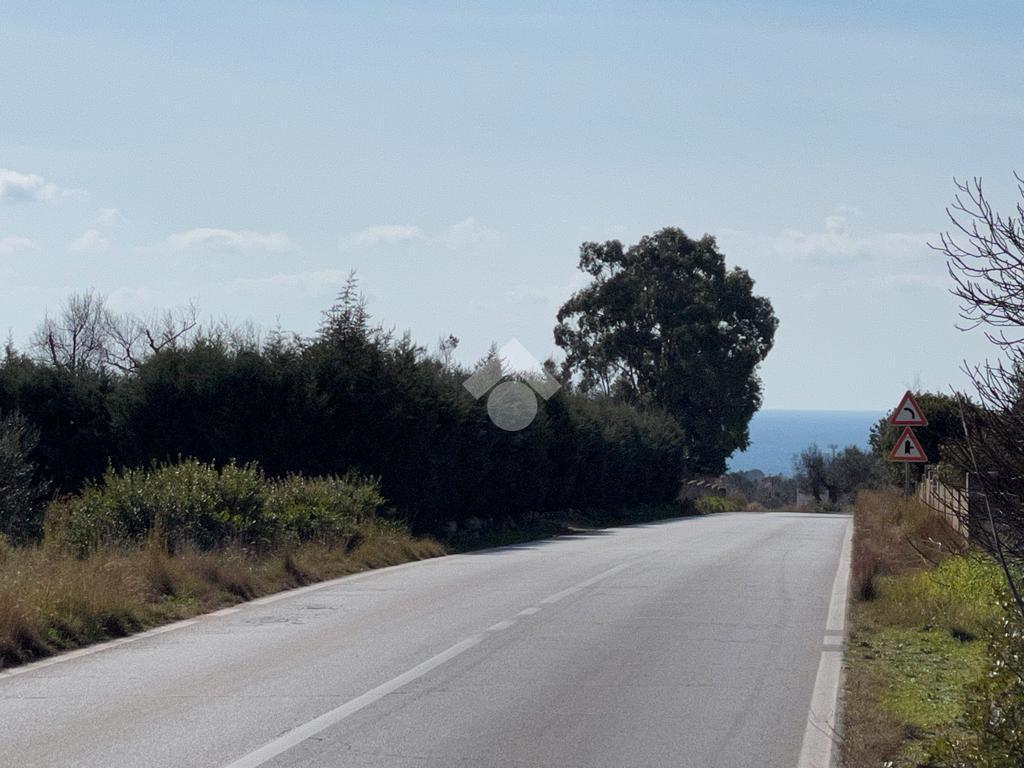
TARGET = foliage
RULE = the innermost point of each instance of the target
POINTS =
(918, 607)
(22, 493)
(944, 429)
(664, 322)
(770, 491)
(52, 599)
(838, 476)
(708, 505)
(994, 736)
(194, 504)
(352, 398)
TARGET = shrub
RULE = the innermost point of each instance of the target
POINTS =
(995, 713)
(323, 509)
(21, 493)
(707, 505)
(196, 504)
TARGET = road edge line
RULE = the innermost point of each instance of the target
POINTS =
(822, 731)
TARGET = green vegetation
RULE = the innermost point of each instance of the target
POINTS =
(191, 503)
(664, 322)
(350, 399)
(836, 477)
(707, 505)
(52, 599)
(944, 428)
(148, 546)
(153, 469)
(925, 635)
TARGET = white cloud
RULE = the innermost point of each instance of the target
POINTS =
(18, 187)
(468, 233)
(14, 243)
(90, 240)
(386, 234)
(316, 283)
(109, 217)
(238, 240)
(841, 240)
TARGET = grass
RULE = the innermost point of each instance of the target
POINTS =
(51, 600)
(922, 607)
(54, 598)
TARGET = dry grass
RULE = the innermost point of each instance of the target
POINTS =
(894, 534)
(52, 601)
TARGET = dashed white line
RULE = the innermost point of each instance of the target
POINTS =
(297, 735)
(283, 743)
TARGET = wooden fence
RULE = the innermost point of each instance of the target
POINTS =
(951, 503)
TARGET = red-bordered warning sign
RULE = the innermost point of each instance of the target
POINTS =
(907, 448)
(908, 413)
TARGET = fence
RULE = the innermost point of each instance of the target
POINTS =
(953, 504)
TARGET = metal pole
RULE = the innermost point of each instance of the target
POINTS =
(906, 478)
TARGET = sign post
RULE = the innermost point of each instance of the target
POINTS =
(907, 449)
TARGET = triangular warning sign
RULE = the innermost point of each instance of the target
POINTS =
(908, 413)
(907, 448)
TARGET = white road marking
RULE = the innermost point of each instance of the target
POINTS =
(500, 626)
(225, 611)
(820, 734)
(297, 735)
(582, 585)
(528, 611)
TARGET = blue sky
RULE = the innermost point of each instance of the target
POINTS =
(248, 156)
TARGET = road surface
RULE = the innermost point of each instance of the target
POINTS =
(696, 642)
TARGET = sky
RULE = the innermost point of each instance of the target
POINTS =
(248, 156)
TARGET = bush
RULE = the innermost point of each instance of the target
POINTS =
(323, 509)
(193, 503)
(707, 505)
(995, 714)
(22, 495)
(352, 398)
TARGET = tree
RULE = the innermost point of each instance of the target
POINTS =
(22, 494)
(985, 258)
(87, 336)
(944, 428)
(837, 476)
(663, 322)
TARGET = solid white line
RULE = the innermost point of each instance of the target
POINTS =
(840, 587)
(820, 733)
(296, 736)
(528, 611)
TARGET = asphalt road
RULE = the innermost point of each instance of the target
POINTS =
(694, 642)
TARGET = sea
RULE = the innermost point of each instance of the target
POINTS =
(777, 437)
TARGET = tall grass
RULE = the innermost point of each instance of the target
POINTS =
(149, 546)
(894, 534)
(52, 600)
